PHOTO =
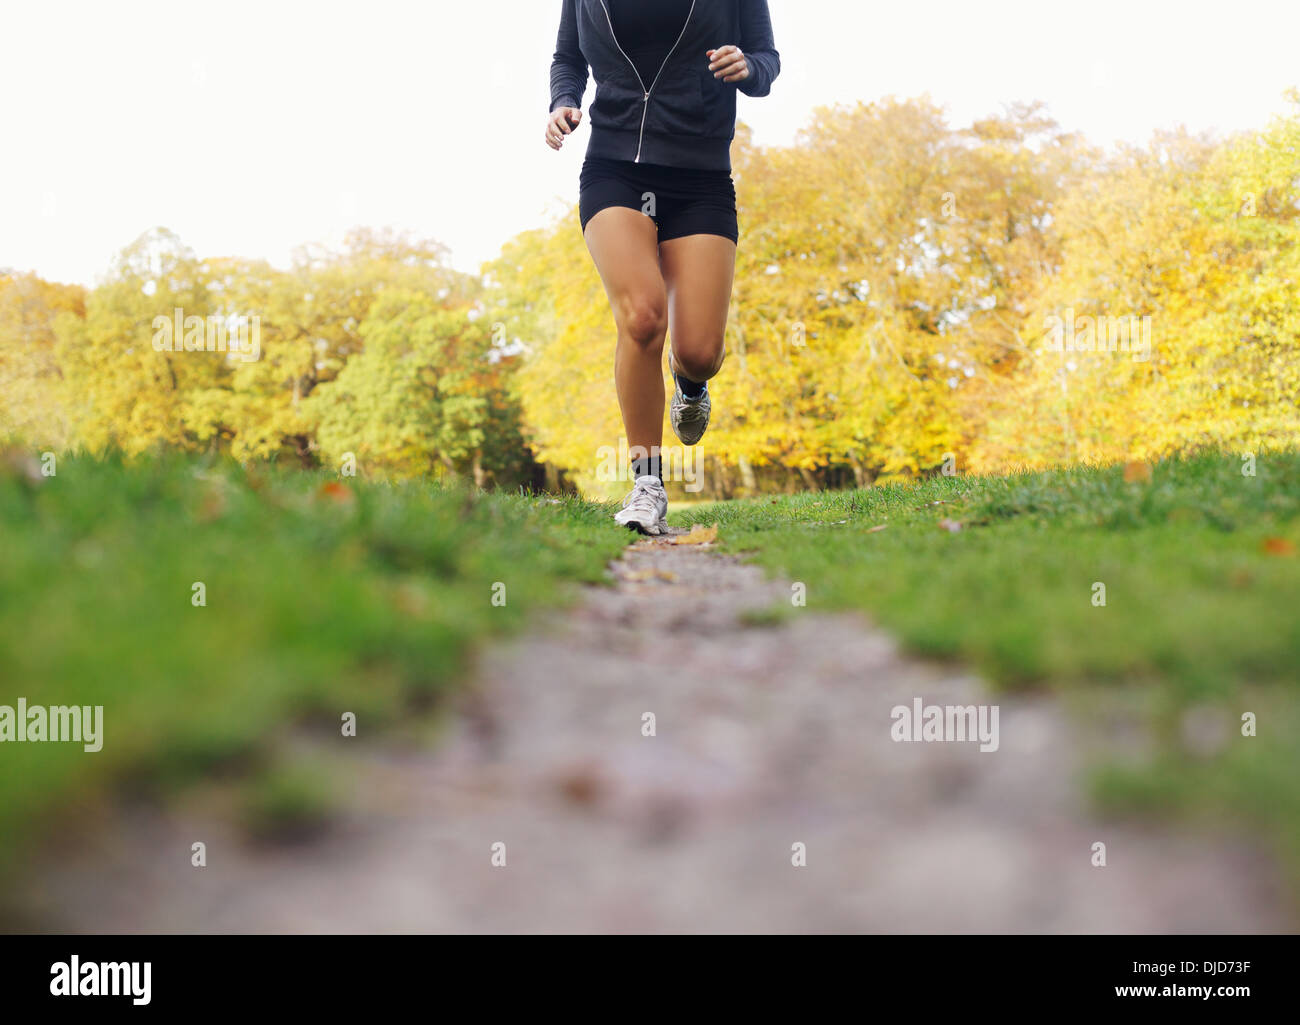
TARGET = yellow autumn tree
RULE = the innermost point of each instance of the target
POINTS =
(31, 393)
(120, 391)
(1197, 244)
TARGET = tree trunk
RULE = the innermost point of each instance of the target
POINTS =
(747, 475)
(860, 475)
(723, 479)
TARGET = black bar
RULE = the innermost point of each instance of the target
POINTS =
(923, 974)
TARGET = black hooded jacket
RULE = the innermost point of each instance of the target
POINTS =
(684, 117)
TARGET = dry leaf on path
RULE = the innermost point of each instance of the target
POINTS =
(877, 530)
(1278, 546)
(952, 526)
(699, 535)
(581, 784)
(638, 575)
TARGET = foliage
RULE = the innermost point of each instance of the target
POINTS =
(896, 280)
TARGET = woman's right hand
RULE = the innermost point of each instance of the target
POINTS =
(559, 123)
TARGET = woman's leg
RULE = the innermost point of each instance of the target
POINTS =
(624, 245)
(698, 272)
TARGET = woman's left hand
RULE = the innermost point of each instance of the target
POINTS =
(728, 64)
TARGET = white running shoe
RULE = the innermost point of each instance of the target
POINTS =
(646, 508)
(689, 417)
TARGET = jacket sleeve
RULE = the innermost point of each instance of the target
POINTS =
(569, 68)
(759, 48)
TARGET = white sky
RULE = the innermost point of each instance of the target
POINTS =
(251, 127)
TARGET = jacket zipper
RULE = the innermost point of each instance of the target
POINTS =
(645, 100)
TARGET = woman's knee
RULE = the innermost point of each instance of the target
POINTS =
(697, 362)
(644, 319)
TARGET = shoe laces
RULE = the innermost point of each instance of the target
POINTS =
(644, 494)
(693, 411)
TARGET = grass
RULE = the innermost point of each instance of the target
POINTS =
(1201, 613)
(322, 597)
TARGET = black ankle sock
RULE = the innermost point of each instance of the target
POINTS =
(691, 389)
(647, 467)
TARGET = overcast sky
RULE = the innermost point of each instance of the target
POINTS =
(251, 126)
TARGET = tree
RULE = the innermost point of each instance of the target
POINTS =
(31, 398)
(119, 390)
(422, 398)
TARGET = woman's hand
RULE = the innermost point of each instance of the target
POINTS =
(728, 64)
(559, 123)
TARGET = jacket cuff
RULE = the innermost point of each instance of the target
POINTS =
(564, 101)
(758, 83)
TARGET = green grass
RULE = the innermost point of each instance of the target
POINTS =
(323, 597)
(293, 801)
(1198, 613)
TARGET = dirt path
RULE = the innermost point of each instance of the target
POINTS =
(766, 736)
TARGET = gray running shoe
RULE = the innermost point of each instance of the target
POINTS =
(646, 508)
(689, 417)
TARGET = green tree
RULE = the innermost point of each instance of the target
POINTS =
(423, 397)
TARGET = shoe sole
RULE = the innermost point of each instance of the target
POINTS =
(640, 528)
(683, 440)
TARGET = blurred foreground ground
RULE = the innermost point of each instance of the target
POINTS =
(771, 731)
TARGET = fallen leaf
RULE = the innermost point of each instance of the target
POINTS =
(952, 526)
(411, 599)
(649, 574)
(877, 530)
(336, 492)
(214, 505)
(21, 464)
(699, 535)
(1137, 473)
(581, 785)
(1278, 546)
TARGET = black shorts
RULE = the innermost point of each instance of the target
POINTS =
(680, 200)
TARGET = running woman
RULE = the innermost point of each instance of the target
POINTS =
(656, 198)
